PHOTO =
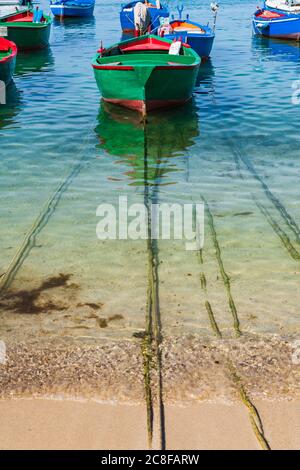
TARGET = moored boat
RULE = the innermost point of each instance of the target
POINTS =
(275, 24)
(72, 8)
(28, 29)
(8, 54)
(285, 6)
(146, 73)
(133, 13)
(199, 37)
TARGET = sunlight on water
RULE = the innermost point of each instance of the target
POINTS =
(235, 146)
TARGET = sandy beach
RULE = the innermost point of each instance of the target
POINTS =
(214, 395)
(66, 424)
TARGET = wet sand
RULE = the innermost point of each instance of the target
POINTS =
(66, 424)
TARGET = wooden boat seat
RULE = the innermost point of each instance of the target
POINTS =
(189, 30)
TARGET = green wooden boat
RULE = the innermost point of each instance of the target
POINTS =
(145, 74)
(26, 33)
(8, 54)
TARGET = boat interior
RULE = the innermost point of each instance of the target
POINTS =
(268, 14)
(187, 27)
(146, 45)
(24, 17)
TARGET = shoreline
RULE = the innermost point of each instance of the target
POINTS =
(214, 394)
(193, 369)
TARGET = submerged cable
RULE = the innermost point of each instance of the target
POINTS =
(38, 225)
(225, 277)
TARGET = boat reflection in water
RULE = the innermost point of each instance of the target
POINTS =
(206, 73)
(162, 141)
(74, 22)
(276, 49)
(41, 61)
(11, 109)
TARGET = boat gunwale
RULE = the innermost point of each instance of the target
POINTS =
(188, 53)
(13, 52)
(25, 24)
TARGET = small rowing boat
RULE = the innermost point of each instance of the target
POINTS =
(275, 24)
(8, 54)
(199, 37)
(28, 29)
(146, 73)
(284, 6)
(142, 11)
(72, 8)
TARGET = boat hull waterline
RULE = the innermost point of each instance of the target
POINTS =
(147, 80)
(72, 9)
(277, 25)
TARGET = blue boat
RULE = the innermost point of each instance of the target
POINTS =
(71, 8)
(276, 24)
(154, 12)
(200, 37)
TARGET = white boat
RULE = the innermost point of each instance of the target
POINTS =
(287, 6)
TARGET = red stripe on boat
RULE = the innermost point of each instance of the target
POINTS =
(113, 67)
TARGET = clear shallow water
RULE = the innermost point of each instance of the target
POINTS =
(236, 145)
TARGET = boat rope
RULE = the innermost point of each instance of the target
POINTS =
(151, 344)
(254, 415)
(224, 275)
(41, 221)
(289, 221)
(207, 303)
(287, 218)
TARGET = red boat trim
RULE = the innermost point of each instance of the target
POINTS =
(6, 44)
(148, 105)
(113, 67)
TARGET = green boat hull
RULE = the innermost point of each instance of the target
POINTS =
(145, 82)
(26, 34)
(7, 70)
(163, 88)
(35, 37)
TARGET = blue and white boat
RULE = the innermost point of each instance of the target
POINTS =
(276, 24)
(199, 36)
(71, 8)
(155, 11)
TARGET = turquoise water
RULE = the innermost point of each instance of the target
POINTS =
(236, 145)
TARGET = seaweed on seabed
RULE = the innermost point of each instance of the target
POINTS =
(225, 277)
(26, 301)
(255, 418)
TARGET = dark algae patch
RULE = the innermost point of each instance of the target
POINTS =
(29, 301)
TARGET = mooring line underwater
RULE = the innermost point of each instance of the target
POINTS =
(254, 415)
(284, 238)
(41, 221)
(224, 275)
(151, 344)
